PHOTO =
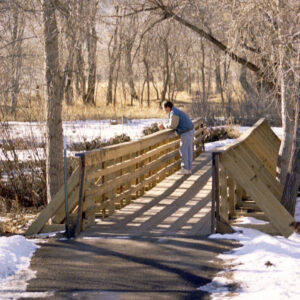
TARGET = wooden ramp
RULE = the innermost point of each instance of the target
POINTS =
(180, 205)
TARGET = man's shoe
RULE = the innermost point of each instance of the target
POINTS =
(184, 172)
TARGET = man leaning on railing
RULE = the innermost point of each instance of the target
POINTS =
(182, 124)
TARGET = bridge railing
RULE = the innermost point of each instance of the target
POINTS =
(247, 168)
(111, 177)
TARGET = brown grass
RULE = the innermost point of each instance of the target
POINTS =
(32, 107)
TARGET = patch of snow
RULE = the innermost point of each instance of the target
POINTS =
(264, 267)
(15, 254)
(212, 146)
(250, 220)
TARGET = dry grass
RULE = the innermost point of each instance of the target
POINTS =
(32, 107)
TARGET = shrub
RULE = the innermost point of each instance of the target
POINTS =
(151, 129)
(220, 133)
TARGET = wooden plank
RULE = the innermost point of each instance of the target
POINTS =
(230, 183)
(275, 140)
(60, 214)
(129, 176)
(224, 205)
(266, 228)
(269, 143)
(257, 215)
(249, 205)
(53, 228)
(111, 152)
(133, 189)
(260, 148)
(238, 194)
(97, 172)
(53, 206)
(254, 184)
(258, 168)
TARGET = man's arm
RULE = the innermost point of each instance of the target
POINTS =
(173, 122)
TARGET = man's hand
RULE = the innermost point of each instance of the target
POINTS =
(161, 126)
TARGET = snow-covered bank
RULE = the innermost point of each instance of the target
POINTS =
(80, 131)
(264, 267)
(75, 132)
(15, 254)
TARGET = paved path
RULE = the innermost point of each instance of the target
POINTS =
(155, 248)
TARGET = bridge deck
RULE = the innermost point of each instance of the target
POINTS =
(155, 248)
(179, 205)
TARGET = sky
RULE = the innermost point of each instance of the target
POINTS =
(263, 267)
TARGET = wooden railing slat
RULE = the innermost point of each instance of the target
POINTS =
(255, 186)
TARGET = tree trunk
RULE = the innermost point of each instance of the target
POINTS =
(218, 75)
(293, 177)
(69, 70)
(92, 48)
(129, 71)
(80, 82)
(166, 72)
(109, 94)
(147, 80)
(287, 139)
(18, 31)
(113, 57)
(117, 76)
(54, 133)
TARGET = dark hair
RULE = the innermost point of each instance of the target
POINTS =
(167, 104)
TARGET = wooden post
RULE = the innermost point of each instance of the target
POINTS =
(142, 178)
(224, 207)
(215, 191)
(111, 195)
(238, 194)
(78, 226)
(230, 183)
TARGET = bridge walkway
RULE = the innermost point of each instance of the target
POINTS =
(178, 205)
(157, 247)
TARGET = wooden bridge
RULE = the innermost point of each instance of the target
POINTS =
(132, 188)
(117, 180)
(144, 228)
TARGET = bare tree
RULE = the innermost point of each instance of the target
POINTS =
(114, 52)
(16, 53)
(54, 134)
(92, 48)
(129, 36)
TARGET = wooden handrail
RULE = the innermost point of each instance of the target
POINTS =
(248, 166)
(112, 176)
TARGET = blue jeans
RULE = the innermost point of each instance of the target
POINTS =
(186, 149)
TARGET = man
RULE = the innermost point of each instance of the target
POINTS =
(181, 123)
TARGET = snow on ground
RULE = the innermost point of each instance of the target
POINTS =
(15, 254)
(81, 131)
(263, 267)
(218, 144)
(75, 132)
